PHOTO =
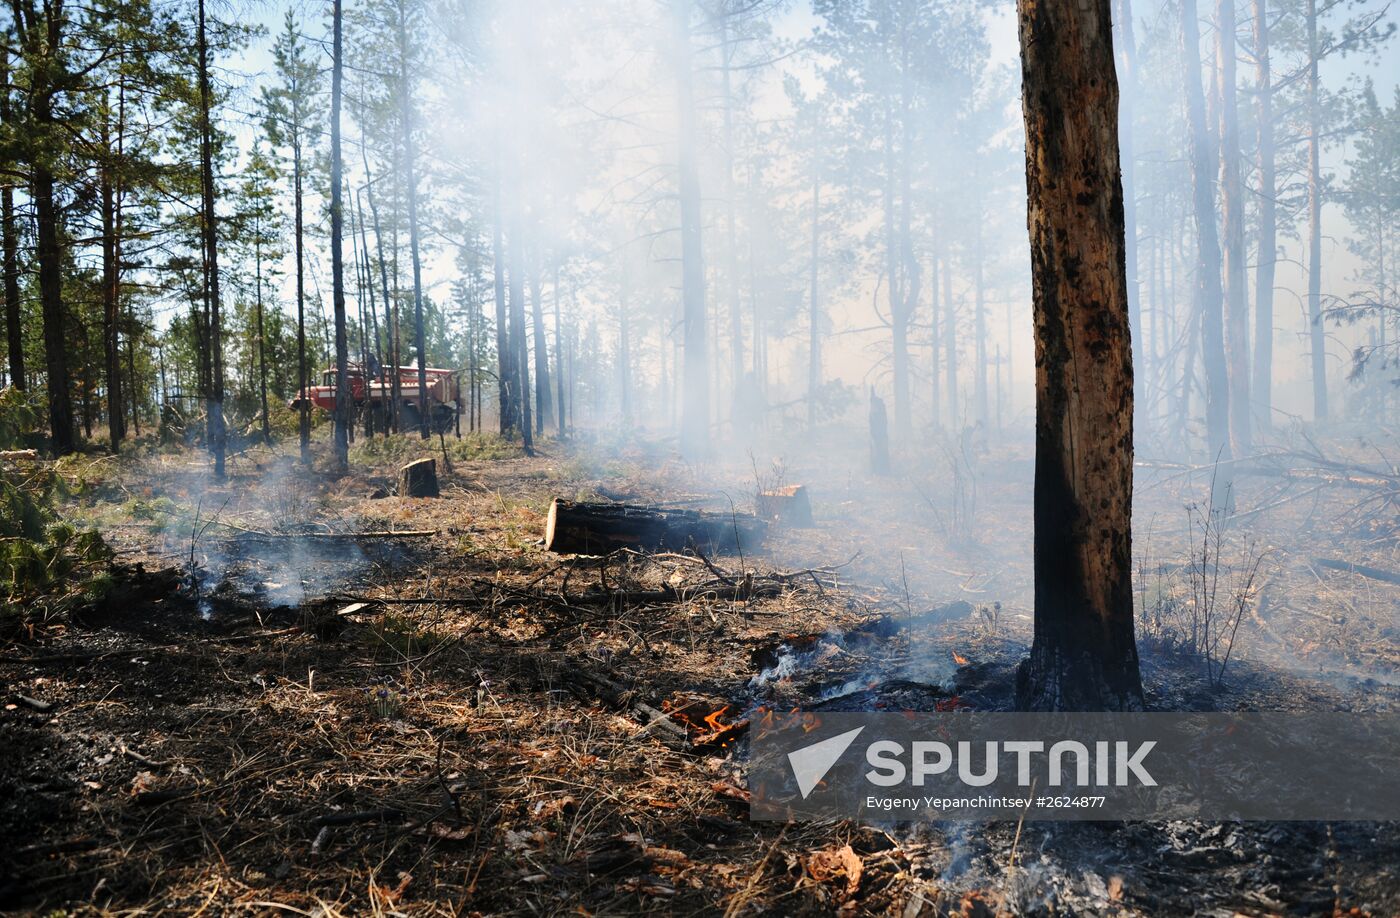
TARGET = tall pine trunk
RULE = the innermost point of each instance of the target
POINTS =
(1209, 297)
(48, 233)
(695, 395)
(1084, 656)
(425, 412)
(1267, 257)
(814, 319)
(1316, 332)
(544, 398)
(342, 369)
(111, 300)
(391, 328)
(1232, 201)
(559, 356)
(214, 397)
(9, 249)
(505, 363)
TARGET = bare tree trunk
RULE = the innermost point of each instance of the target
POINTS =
(410, 156)
(1267, 257)
(624, 344)
(1316, 332)
(342, 369)
(111, 300)
(9, 240)
(1208, 257)
(391, 330)
(731, 242)
(49, 253)
(950, 347)
(1084, 656)
(695, 411)
(262, 335)
(935, 377)
(1232, 200)
(505, 362)
(298, 210)
(558, 356)
(544, 398)
(519, 348)
(214, 399)
(979, 318)
(814, 339)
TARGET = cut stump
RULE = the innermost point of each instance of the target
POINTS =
(419, 479)
(789, 505)
(577, 528)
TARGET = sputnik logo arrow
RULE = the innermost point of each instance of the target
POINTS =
(811, 763)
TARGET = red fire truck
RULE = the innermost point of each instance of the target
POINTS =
(376, 393)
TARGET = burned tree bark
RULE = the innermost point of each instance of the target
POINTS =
(1232, 213)
(1084, 656)
(596, 529)
(1268, 223)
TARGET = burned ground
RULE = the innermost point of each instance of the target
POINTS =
(283, 706)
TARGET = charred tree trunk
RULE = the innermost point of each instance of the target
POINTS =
(1084, 656)
(214, 398)
(596, 529)
(695, 395)
(1316, 333)
(9, 242)
(342, 369)
(1208, 258)
(1268, 223)
(979, 319)
(1232, 199)
(1126, 42)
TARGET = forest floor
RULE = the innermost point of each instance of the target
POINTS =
(233, 731)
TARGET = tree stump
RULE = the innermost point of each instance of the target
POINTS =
(419, 479)
(788, 505)
(577, 528)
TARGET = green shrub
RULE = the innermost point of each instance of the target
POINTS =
(46, 565)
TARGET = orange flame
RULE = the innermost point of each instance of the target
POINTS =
(959, 659)
(712, 720)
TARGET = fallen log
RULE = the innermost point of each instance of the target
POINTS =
(419, 479)
(1373, 573)
(578, 528)
(789, 505)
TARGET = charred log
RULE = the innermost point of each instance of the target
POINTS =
(577, 528)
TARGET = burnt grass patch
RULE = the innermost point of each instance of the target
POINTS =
(411, 733)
